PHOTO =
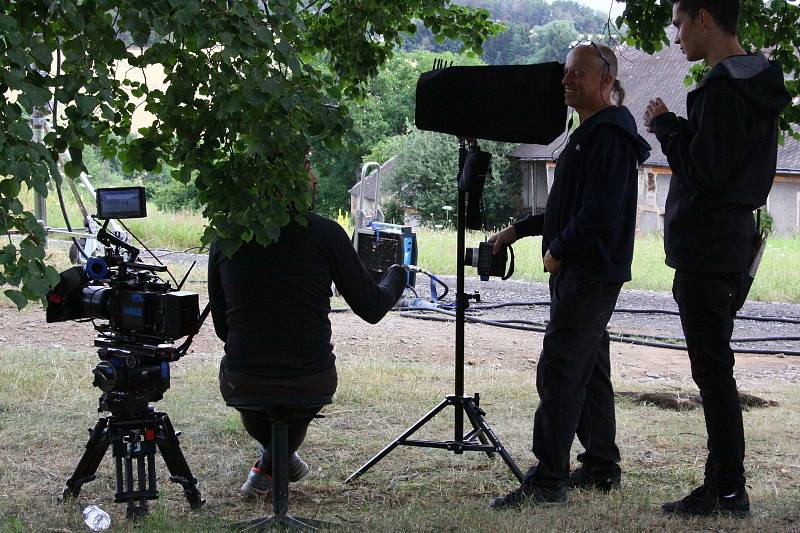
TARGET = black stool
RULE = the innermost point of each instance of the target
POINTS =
(281, 411)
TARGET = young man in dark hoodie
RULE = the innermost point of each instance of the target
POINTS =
(723, 162)
(588, 232)
(270, 306)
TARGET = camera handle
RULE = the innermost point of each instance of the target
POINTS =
(105, 237)
(510, 271)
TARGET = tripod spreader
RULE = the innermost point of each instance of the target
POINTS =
(133, 441)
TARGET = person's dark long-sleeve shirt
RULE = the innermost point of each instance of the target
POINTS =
(589, 221)
(270, 304)
(723, 161)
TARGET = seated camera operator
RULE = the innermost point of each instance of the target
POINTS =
(270, 306)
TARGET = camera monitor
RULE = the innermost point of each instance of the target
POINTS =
(121, 202)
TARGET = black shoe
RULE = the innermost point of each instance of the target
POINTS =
(705, 500)
(583, 478)
(528, 494)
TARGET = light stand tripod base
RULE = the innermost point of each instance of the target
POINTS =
(283, 521)
(480, 439)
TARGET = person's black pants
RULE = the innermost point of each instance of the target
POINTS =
(706, 304)
(236, 385)
(259, 425)
(573, 379)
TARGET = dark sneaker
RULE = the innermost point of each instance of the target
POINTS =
(705, 500)
(297, 468)
(583, 478)
(528, 495)
(259, 482)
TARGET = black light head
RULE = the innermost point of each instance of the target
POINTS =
(506, 103)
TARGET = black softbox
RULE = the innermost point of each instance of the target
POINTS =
(506, 103)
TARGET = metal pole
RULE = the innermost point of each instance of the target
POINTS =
(360, 212)
(39, 126)
(461, 298)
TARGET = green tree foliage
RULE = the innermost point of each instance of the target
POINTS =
(521, 18)
(551, 42)
(771, 26)
(385, 112)
(250, 84)
(424, 177)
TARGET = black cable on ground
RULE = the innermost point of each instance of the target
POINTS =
(640, 340)
(755, 318)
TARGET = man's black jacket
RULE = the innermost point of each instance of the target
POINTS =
(589, 222)
(270, 304)
(723, 162)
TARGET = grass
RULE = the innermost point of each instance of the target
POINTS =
(778, 279)
(46, 401)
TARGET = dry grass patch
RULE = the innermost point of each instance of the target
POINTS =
(47, 401)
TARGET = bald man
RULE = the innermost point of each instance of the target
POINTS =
(587, 246)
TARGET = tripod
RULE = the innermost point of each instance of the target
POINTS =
(135, 438)
(480, 438)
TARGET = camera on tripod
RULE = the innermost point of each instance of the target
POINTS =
(142, 316)
(488, 264)
(144, 313)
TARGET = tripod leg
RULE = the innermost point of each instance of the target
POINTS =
(477, 430)
(87, 466)
(170, 448)
(399, 440)
(476, 416)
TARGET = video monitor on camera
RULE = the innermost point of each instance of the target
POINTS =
(121, 202)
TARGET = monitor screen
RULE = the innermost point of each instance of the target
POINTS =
(121, 202)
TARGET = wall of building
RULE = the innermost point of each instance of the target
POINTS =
(784, 205)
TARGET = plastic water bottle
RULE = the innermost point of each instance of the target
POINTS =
(96, 519)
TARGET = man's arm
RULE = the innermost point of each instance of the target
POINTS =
(529, 226)
(608, 184)
(368, 300)
(526, 227)
(706, 157)
(216, 296)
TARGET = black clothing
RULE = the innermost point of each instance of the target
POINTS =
(706, 305)
(258, 425)
(270, 304)
(723, 162)
(589, 222)
(574, 382)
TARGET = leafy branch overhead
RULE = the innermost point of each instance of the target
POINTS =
(248, 86)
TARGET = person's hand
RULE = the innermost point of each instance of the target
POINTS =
(654, 108)
(502, 239)
(551, 264)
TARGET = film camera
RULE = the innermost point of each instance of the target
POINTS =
(142, 317)
(488, 264)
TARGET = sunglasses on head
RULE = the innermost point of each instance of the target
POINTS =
(575, 44)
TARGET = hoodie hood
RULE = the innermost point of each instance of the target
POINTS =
(759, 80)
(621, 118)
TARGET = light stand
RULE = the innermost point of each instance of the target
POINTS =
(480, 438)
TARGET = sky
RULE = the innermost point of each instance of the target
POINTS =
(603, 5)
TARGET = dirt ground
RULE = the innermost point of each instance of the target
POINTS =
(408, 340)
